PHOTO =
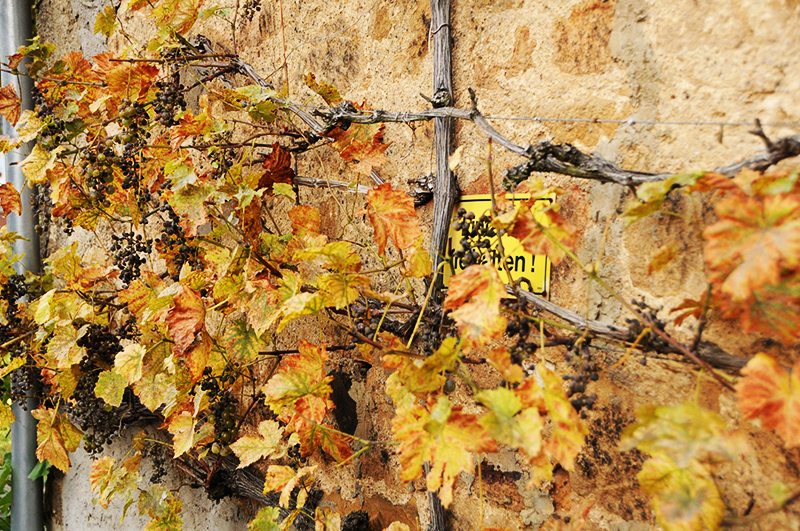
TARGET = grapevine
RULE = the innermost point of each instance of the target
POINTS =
(221, 310)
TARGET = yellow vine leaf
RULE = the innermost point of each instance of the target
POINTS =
(36, 164)
(7, 144)
(418, 261)
(684, 433)
(441, 435)
(327, 520)
(250, 449)
(178, 15)
(681, 439)
(6, 416)
(128, 362)
(106, 21)
(509, 423)
(266, 519)
(62, 349)
(421, 376)
(29, 126)
(771, 394)
(328, 92)
(335, 256)
(297, 376)
(163, 507)
(243, 342)
(154, 389)
(545, 391)
(182, 426)
(14, 364)
(286, 479)
(109, 479)
(341, 289)
(684, 498)
(110, 387)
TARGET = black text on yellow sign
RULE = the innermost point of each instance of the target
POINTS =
(532, 271)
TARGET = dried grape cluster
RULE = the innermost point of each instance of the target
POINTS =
(159, 455)
(221, 161)
(41, 206)
(99, 421)
(369, 319)
(24, 384)
(99, 172)
(127, 250)
(519, 329)
(224, 406)
(169, 100)
(250, 8)
(24, 380)
(54, 131)
(476, 237)
(636, 328)
(173, 244)
(134, 121)
(586, 371)
(434, 328)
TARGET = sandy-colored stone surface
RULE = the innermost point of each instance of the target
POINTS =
(630, 60)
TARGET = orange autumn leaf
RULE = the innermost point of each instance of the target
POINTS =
(361, 144)
(773, 310)
(771, 394)
(186, 318)
(305, 218)
(9, 201)
(189, 125)
(754, 240)
(9, 104)
(299, 376)
(278, 166)
(56, 437)
(131, 81)
(689, 308)
(474, 298)
(541, 230)
(392, 215)
(179, 15)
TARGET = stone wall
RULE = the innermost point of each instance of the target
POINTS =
(636, 61)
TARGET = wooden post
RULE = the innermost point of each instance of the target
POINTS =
(445, 191)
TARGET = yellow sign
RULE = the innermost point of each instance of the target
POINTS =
(533, 272)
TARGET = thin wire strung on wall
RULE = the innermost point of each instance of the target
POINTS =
(636, 121)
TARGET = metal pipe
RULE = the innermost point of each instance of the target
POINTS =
(16, 28)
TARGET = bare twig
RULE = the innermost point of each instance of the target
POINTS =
(327, 183)
(701, 325)
(706, 351)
